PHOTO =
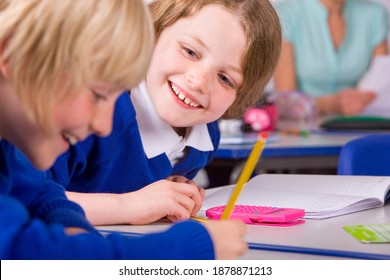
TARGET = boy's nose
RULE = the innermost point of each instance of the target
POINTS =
(103, 121)
(197, 78)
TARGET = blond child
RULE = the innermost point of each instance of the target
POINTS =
(63, 65)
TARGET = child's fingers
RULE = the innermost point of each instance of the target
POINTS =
(186, 193)
(202, 192)
(195, 194)
(228, 238)
(181, 179)
(184, 206)
(198, 203)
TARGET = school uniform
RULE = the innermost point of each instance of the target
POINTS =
(35, 211)
(141, 149)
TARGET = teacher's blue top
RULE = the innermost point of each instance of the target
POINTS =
(320, 68)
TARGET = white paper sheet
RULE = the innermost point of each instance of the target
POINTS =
(377, 79)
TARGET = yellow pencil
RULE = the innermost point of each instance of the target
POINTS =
(245, 174)
(199, 219)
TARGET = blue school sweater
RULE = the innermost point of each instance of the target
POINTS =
(118, 164)
(34, 211)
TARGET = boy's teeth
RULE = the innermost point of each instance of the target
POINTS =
(183, 98)
(72, 140)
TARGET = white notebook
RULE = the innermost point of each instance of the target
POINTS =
(322, 196)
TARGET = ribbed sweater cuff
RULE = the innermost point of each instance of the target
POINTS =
(66, 213)
(197, 239)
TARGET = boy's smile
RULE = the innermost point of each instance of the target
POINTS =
(182, 96)
(72, 120)
(196, 69)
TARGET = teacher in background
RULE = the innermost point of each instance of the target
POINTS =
(327, 47)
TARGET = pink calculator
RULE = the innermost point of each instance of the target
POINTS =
(264, 215)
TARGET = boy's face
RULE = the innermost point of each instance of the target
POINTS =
(196, 67)
(73, 119)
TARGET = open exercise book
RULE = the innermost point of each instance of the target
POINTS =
(322, 196)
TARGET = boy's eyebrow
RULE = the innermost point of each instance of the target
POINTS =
(195, 38)
(234, 68)
(107, 90)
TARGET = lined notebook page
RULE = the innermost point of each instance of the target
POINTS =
(371, 186)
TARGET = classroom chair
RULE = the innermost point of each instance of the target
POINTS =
(369, 155)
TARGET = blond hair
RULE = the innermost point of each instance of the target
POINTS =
(77, 42)
(263, 33)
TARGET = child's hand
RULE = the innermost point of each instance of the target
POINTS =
(164, 198)
(227, 237)
(182, 179)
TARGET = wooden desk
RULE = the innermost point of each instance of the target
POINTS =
(317, 153)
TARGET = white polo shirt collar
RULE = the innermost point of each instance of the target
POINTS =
(157, 136)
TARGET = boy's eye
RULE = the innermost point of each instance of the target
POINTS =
(189, 53)
(225, 80)
(97, 96)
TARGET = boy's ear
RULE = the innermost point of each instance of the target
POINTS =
(4, 68)
(3, 63)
